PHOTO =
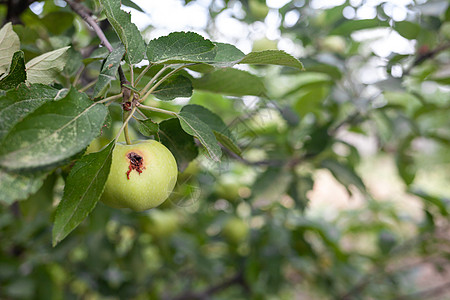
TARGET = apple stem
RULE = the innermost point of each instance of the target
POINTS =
(127, 118)
(127, 136)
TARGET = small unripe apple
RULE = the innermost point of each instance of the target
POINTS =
(235, 230)
(333, 43)
(162, 223)
(142, 176)
(264, 44)
(258, 9)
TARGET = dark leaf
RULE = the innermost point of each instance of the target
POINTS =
(83, 189)
(173, 87)
(108, 72)
(181, 144)
(148, 128)
(16, 73)
(192, 125)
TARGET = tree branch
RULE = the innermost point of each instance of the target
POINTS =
(426, 294)
(427, 54)
(207, 293)
(86, 14)
(15, 9)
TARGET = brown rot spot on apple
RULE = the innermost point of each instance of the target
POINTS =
(136, 163)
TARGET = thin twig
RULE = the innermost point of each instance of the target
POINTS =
(86, 14)
(142, 74)
(154, 78)
(427, 55)
(88, 86)
(207, 293)
(162, 80)
(426, 294)
(111, 98)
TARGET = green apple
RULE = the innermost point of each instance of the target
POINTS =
(264, 44)
(333, 43)
(108, 134)
(235, 230)
(258, 9)
(142, 176)
(162, 223)
(445, 30)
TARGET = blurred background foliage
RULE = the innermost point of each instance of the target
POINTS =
(341, 192)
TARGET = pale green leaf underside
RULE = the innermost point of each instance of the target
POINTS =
(83, 189)
(128, 33)
(45, 68)
(9, 44)
(192, 125)
(52, 133)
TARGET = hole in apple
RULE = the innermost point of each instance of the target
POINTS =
(136, 163)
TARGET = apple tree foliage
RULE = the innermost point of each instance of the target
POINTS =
(249, 132)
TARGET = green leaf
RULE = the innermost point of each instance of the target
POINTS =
(220, 129)
(18, 186)
(9, 44)
(63, 19)
(45, 68)
(18, 103)
(148, 128)
(128, 33)
(84, 186)
(131, 4)
(405, 161)
(231, 82)
(97, 54)
(270, 185)
(195, 127)
(439, 203)
(227, 55)
(108, 72)
(181, 47)
(272, 57)
(74, 63)
(181, 144)
(344, 174)
(298, 190)
(173, 87)
(52, 133)
(16, 74)
(407, 29)
(319, 140)
(350, 26)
